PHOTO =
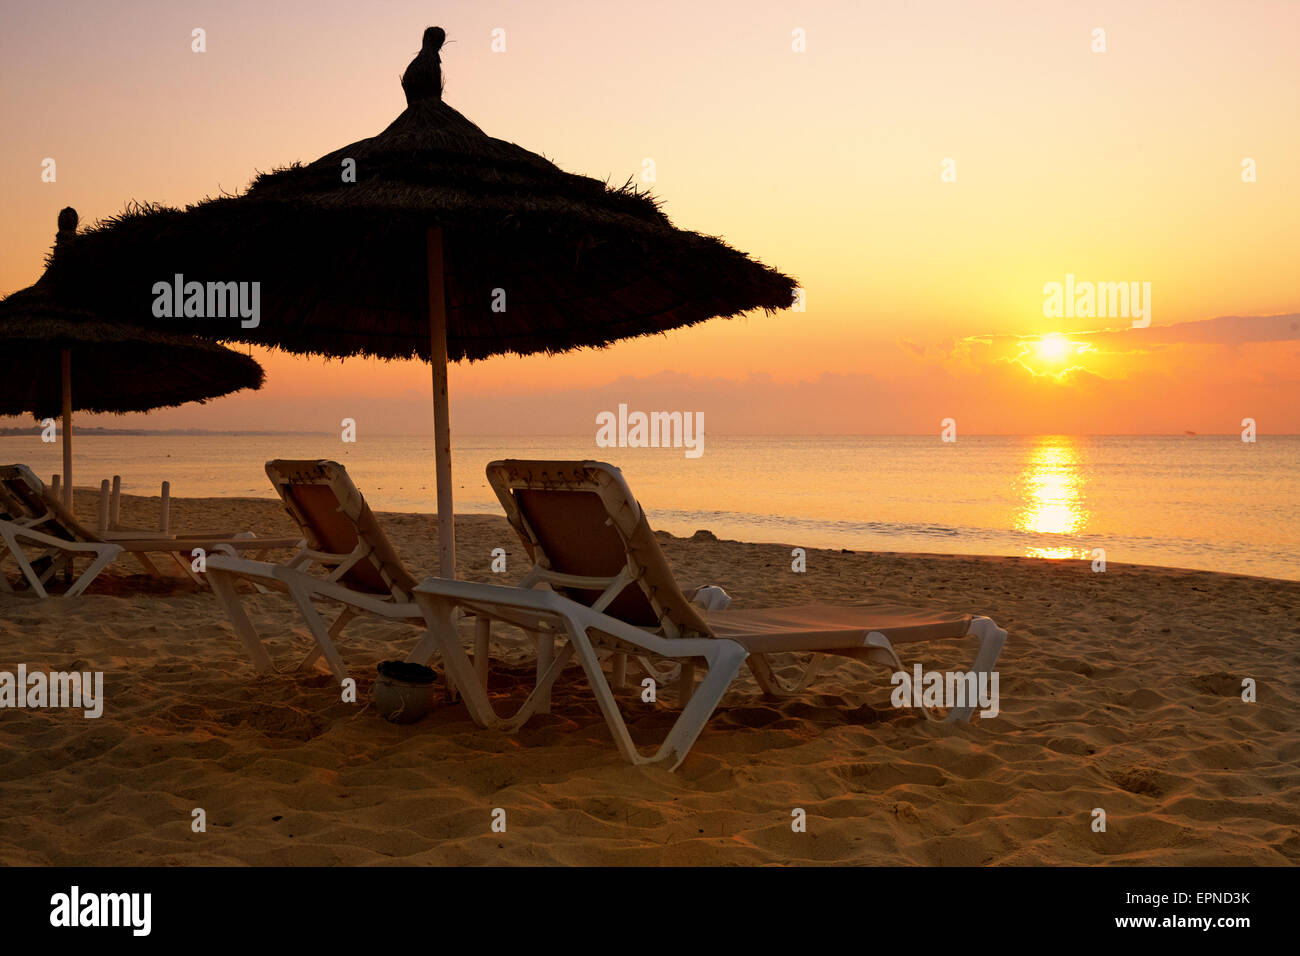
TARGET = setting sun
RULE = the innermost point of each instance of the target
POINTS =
(1053, 348)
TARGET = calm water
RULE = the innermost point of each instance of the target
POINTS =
(1206, 502)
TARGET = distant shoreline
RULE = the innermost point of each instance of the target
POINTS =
(190, 432)
(30, 430)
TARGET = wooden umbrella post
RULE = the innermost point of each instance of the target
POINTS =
(441, 411)
(67, 428)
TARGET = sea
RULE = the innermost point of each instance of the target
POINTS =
(1206, 501)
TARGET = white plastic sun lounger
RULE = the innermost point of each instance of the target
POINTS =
(609, 585)
(361, 569)
(32, 518)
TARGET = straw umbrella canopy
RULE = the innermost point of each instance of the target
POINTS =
(119, 366)
(434, 240)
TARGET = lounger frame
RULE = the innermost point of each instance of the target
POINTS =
(35, 511)
(304, 588)
(586, 627)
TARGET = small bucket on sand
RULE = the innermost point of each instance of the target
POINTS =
(403, 691)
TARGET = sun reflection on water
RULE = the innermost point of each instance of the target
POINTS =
(1051, 488)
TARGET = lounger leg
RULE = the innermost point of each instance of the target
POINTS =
(439, 601)
(724, 663)
(424, 652)
(482, 637)
(104, 553)
(620, 670)
(604, 697)
(686, 681)
(183, 563)
(424, 649)
(223, 587)
(661, 677)
(101, 561)
(774, 685)
(991, 638)
(149, 566)
(316, 624)
(59, 562)
(541, 695)
(704, 701)
(24, 566)
(545, 654)
(460, 670)
(335, 630)
(227, 549)
(6, 547)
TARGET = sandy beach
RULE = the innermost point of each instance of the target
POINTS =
(1119, 690)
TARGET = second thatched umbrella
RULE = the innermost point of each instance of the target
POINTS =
(119, 366)
(433, 239)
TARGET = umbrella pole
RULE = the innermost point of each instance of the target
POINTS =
(67, 428)
(441, 411)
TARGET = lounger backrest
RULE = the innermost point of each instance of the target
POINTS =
(27, 500)
(335, 519)
(579, 518)
(11, 509)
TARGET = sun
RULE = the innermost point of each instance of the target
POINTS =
(1053, 348)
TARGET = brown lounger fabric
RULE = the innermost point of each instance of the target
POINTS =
(570, 508)
(575, 532)
(334, 516)
(826, 627)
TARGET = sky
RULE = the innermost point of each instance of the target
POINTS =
(925, 170)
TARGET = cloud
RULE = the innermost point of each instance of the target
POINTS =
(1224, 330)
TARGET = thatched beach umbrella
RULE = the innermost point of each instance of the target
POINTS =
(119, 366)
(434, 240)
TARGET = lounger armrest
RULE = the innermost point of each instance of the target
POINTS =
(185, 545)
(579, 617)
(242, 567)
(530, 599)
(247, 544)
(134, 534)
(28, 534)
(225, 536)
(576, 580)
(308, 586)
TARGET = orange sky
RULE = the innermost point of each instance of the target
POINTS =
(1113, 167)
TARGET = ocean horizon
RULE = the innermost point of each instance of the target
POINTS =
(1171, 501)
